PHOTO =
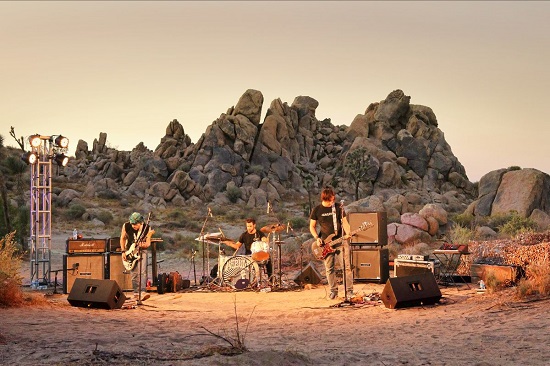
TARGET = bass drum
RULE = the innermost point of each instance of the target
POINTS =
(240, 271)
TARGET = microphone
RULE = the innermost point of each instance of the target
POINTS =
(210, 212)
(268, 206)
(287, 226)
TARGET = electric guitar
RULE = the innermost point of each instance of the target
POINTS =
(321, 251)
(133, 253)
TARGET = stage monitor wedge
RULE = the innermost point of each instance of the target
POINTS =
(416, 290)
(375, 235)
(308, 276)
(100, 294)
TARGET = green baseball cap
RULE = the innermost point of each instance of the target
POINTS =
(135, 218)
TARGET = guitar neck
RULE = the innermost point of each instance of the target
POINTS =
(341, 239)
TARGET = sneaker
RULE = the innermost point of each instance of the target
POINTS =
(350, 294)
(333, 295)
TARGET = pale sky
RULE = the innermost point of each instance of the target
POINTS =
(129, 68)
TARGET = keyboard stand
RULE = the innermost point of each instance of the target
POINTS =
(450, 260)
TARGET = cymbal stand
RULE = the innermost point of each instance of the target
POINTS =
(193, 252)
(219, 274)
(205, 252)
(279, 259)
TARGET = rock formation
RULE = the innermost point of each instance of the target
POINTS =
(410, 165)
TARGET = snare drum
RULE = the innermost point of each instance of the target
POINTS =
(260, 251)
(238, 268)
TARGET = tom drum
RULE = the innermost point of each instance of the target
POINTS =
(260, 251)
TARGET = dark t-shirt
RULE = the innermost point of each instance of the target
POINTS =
(324, 217)
(133, 234)
(247, 239)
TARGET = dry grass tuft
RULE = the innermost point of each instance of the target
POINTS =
(10, 281)
(535, 283)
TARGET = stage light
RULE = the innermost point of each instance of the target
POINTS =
(60, 141)
(61, 159)
(29, 157)
(35, 140)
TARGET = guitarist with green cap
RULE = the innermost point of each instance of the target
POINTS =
(135, 238)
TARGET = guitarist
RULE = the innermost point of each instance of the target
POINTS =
(133, 230)
(328, 215)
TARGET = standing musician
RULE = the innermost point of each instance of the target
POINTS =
(244, 244)
(131, 231)
(328, 215)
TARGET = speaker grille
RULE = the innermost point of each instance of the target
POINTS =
(87, 266)
(375, 235)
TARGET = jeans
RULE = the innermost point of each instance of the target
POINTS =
(135, 273)
(330, 262)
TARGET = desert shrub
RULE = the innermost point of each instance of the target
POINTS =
(464, 220)
(256, 169)
(492, 283)
(459, 234)
(10, 281)
(105, 216)
(233, 193)
(517, 225)
(299, 222)
(75, 212)
(536, 281)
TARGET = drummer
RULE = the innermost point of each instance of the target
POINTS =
(244, 244)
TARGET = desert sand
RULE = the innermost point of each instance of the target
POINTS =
(294, 326)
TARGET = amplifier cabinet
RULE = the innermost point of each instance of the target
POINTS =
(370, 264)
(114, 270)
(86, 246)
(407, 267)
(86, 266)
(377, 234)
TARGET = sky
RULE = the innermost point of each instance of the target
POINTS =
(128, 68)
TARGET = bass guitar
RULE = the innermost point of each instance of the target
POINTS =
(320, 251)
(133, 253)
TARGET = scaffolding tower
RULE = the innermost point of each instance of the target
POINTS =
(44, 149)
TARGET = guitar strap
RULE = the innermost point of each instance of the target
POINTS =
(334, 219)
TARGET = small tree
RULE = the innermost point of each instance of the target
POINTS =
(309, 182)
(357, 167)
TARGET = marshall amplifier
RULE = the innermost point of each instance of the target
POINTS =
(75, 246)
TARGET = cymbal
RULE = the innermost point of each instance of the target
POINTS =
(228, 242)
(274, 228)
(211, 237)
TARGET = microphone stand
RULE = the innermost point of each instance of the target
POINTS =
(345, 242)
(205, 260)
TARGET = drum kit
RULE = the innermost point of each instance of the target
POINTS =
(245, 271)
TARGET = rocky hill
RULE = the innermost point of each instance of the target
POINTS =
(408, 167)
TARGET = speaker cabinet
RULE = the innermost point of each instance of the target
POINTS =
(88, 266)
(308, 275)
(370, 264)
(101, 294)
(114, 270)
(376, 235)
(400, 292)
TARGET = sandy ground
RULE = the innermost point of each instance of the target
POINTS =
(294, 326)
